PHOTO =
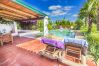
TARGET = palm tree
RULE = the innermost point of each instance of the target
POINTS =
(88, 13)
(97, 10)
(83, 15)
(98, 18)
(95, 4)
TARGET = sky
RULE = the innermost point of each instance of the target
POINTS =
(58, 9)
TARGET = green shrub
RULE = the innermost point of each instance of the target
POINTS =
(94, 52)
(40, 25)
(50, 25)
(5, 21)
(93, 40)
(94, 28)
(84, 29)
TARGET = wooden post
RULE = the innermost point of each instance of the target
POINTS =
(83, 60)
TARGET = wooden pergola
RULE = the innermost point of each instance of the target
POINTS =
(18, 10)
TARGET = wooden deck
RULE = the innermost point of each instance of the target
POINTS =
(10, 55)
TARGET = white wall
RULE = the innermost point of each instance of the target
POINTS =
(6, 27)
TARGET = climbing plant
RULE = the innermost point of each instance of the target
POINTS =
(5, 21)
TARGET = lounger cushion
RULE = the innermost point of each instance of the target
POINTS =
(53, 42)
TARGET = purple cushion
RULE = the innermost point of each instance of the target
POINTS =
(49, 41)
(55, 43)
(60, 45)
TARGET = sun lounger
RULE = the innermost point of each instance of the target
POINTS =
(77, 43)
(53, 50)
(74, 54)
(75, 48)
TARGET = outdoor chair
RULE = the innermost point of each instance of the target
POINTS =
(7, 38)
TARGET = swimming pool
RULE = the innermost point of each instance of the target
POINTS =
(62, 33)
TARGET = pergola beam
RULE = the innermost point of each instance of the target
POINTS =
(9, 16)
(18, 6)
(13, 14)
(15, 10)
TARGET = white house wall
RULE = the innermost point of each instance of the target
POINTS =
(6, 27)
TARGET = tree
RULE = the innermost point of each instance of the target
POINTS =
(97, 11)
(63, 22)
(78, 23)
(68, 24)
(98, 18)
(57, 24)
(83, 15)
(88, 13)
(95, 4)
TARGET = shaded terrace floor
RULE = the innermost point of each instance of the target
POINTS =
(10, 55)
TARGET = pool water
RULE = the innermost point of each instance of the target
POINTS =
(62, 33)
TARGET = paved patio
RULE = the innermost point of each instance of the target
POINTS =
(10, 55)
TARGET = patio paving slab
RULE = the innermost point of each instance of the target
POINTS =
(10, 55)
(33, 46)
